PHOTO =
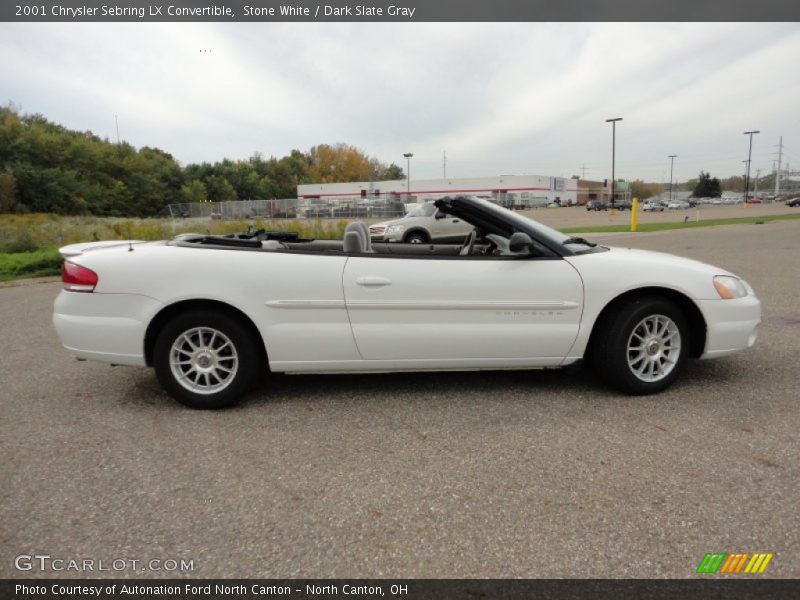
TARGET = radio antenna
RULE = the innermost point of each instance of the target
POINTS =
(130, 242)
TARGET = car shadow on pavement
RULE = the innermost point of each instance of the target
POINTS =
(141, 388)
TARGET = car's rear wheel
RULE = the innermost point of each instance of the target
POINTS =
(206, 360)
(417, 237)
(641, 345)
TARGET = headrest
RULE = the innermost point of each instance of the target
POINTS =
(361, 229)
(353, 243)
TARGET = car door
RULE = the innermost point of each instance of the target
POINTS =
(468, 311)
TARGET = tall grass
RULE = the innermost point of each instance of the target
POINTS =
(29, 243)
(24, 233)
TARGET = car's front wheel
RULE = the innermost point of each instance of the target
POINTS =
(206, 359)
(641, 345)
(416, 237)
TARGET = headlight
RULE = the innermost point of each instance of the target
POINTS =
(729, 287)
(395, 229)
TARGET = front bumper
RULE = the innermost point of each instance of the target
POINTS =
(104, 327)
(732, 325)
(391, 237)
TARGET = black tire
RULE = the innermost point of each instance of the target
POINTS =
(248, 351)
(608, 353)
(417, 237)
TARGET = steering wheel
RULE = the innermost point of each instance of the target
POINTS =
(466, 247)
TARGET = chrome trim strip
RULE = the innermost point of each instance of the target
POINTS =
(305, 303)
(463, 305)
(425, 305)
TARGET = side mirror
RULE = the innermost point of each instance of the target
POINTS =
(440, 215)
(519, 242)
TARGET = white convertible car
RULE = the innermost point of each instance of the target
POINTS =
(213, 313)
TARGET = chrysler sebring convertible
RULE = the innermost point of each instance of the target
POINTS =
(214, 314)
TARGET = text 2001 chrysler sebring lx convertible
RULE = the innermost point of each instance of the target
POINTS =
(211, 313)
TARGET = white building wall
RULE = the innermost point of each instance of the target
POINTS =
(533, 188)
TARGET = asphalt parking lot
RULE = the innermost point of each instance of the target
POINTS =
(493, 474)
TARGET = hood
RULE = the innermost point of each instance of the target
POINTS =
(620, 269)
(387, 223)
(663, 259)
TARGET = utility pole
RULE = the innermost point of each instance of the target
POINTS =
(613, 158)
(778, 172)
(583, 171)
(116, 122)
(749, 159)
(444, 164)
(672, 158)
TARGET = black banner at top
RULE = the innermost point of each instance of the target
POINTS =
(398, 10)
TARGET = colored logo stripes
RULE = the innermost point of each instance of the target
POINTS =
(738, 562)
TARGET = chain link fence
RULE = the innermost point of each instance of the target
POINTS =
(344, 207)
(292, 208)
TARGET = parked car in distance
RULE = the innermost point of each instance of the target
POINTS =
(653, 206)
(754, 201)
(424, 224)
(596, 205)
(793, 202)
(318, 209)
(212, 314)
(677, 205)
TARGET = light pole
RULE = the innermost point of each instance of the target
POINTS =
(749, 157)
(613, 157)
(672, 158)
(408, 156)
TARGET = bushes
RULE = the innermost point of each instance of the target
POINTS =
(38, 263)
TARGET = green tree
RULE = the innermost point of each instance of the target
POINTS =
(642, 190)
(194, 191)
(8, 192)
(393, 172)
(46, 167)
(707, 187)
(219, 189)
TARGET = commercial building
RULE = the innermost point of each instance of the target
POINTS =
(519, 191)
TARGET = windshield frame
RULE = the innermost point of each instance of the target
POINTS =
(487, 215)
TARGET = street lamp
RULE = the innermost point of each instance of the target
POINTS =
(613, 157)
(408, 156)
(749, 156)
(672, 158)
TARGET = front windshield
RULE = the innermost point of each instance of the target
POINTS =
(426, 210)
(523, 223)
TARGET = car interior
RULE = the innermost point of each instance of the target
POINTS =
(357, 241)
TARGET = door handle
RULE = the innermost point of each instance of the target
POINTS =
(455, 220)
(373, 281)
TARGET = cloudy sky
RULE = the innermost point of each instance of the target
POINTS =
(499, 98)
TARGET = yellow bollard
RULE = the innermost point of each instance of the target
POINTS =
(634, 209)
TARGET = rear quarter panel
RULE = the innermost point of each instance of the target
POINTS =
(247, 281)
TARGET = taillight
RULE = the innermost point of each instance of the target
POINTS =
(76, 278)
